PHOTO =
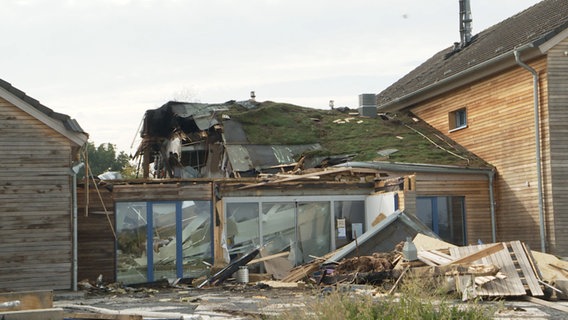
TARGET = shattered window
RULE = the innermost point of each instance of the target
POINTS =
(242, 228)
(158, 240)
(302, 227)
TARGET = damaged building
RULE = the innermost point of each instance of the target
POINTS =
(212, 191)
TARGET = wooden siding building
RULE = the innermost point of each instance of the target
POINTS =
(38, 148)
(504, 96)
(104, 238)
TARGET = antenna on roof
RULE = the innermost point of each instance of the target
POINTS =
(465, 23)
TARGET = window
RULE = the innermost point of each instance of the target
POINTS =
(159, 240)
(458, 119)
(445, 215)
(305, 226)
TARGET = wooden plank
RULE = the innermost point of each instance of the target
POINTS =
(37, 314)
(432, 257)
(101, 316)
(510, 286)
(479, 254)
(545, 303)
(281, 254)
(29, 300)
(528, 273)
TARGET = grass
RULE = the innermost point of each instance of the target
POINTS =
(416, 300)
(340, 133)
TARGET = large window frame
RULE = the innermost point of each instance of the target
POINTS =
(445, 215)
(172, 216)
(260, 201)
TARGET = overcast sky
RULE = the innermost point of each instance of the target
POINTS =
(106, 62)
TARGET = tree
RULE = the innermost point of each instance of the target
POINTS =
(104, 158)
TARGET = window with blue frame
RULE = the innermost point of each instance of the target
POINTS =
(445, 215)
(157, 240)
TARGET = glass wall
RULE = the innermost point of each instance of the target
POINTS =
(349, 221)
(159, 240)
(301, 225)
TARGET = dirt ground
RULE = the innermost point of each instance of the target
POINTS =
(246, 301)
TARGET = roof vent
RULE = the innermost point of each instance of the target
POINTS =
(465, 23)
(368, 105)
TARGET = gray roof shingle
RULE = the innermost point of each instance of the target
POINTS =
(535, 25)
(68, 122)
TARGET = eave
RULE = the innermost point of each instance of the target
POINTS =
(79, 138)
(487, 68)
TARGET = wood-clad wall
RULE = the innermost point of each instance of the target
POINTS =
(163, 192)
(35, 203)
(558, 121)
(96, 235)
(475, 189)
(500, 129)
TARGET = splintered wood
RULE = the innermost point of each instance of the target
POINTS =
(515, 264)
(515, 273)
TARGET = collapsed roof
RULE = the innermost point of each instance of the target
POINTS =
(234, 139)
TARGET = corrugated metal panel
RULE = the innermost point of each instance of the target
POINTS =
(239, 157)
(248, 157)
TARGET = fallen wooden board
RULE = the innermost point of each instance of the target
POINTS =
(36, 314)
(545, 303)
(424, 242)
(281, 254)
(529, 274)
(29, 300)
(482, 253)
(101, 316)
(510, 286)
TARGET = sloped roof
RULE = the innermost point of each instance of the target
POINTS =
(534, 25)
(68, 123)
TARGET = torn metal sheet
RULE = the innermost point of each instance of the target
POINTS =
(259, 157)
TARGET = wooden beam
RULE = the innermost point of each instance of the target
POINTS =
(37, 314)
(28, 300)
(101, 316)
(478, 255)
(278, 255)
(545, 303)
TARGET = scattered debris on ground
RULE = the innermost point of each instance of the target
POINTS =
(487, 271)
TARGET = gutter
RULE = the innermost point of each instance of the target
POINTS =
(534, 73)
(408, 167)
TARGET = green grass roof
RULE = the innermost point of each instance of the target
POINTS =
(272, 123)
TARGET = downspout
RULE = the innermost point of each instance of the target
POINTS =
(75, 264)
(537, 147)
(492, 206)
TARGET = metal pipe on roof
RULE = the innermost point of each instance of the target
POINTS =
(517, 53)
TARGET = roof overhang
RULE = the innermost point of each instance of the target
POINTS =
(490, 67)
(414, 167)
(76, 137)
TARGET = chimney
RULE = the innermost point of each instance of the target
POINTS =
(465, 23)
